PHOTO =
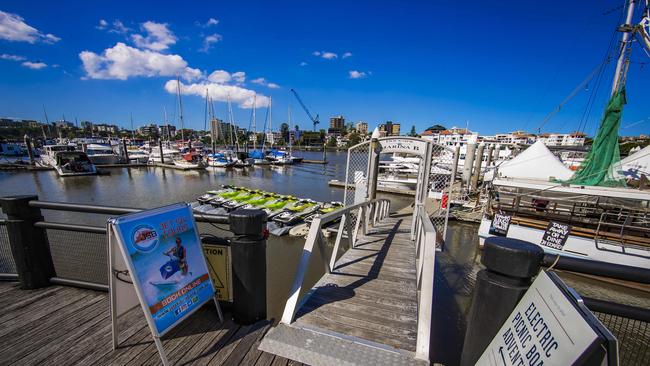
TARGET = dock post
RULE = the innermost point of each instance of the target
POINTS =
(454, 167)
(489, 156)
(30, 153)
(469, 162)
(510, 266)
(478, 161)
(162, 157)
(29, 245)
(248, 248)
(126, 152)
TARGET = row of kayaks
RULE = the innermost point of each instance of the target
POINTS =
(285, 213)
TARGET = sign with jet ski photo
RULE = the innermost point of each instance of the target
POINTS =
(163, 253)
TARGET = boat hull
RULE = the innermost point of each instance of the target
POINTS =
(575, 246)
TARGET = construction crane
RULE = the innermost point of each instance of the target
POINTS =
(314, 120)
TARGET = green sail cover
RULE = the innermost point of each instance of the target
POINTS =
(597, 168)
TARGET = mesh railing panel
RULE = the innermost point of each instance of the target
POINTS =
(357, 174)
(7, 264)
(633, 338)
(442, 160)
(79, 256)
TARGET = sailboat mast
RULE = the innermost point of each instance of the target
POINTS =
(271, 120)
(180, 106)
(254, 124)
(132, 129)
(289, 134)
(618, 74)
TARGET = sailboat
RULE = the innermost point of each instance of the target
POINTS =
(258, 155)
(593, 214)
(189, 159)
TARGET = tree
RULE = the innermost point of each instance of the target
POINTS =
(413, 133)
(331, 142)
(353, 139)
(284, 130)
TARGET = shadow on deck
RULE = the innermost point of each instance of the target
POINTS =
(68, 326)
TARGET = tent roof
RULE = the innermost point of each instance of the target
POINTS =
(634, 165)
(536, 162)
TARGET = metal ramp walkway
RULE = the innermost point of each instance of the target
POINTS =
(365, 309)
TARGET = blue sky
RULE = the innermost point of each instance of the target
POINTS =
(496, 67)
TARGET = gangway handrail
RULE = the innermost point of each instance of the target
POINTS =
(426, 238)
(368, 213)
(112, 210)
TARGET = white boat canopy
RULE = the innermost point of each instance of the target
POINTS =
(536, 162)
(635, 165)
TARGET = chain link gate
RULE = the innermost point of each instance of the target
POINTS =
(439, 182)
(440, 185)
(356, 177)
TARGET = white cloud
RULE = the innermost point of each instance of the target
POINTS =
(346, 55)
(34, 65)
(208, 41)
(303, 63)
(239, 76)
(13, 28)
(220, 77)
(263, 81)
(354, 74)
(103, 24)
(326, 55)
(220, 92)
(9, 57)
(122, 61)
(260, 81)
(158, 37)
(210, 23)
(116, 27)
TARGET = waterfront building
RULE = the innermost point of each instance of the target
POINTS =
(149, 130)
(167, 131)
(337, 125)
(389, 128)
(14, 123)
(362, 128)
(563, 139)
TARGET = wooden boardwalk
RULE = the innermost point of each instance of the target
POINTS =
(370, 297)
(68, 326)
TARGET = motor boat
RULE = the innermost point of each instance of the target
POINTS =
(49, 153)
(277, 157)
(101, 154)
(167, 154)
(219, 160)
(189, 160)
(70, 163)
(138, 156)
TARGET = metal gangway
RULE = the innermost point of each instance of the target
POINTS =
(374, 303)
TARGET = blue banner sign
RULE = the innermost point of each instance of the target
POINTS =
(162, 250)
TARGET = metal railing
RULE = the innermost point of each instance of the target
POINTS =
(366, 213)
(7, 264)
(78, 251)
(426, 239)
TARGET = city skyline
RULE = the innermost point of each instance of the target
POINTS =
(430, 63)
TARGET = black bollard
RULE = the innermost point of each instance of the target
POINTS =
(510, 266)
(29, 245)
(248, 248)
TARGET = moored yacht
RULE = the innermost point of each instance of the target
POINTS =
(101, 154)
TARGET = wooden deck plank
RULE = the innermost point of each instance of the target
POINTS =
(371, 293)
(219, 357)
(24, 336)
(246, 343)
(77, 331)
